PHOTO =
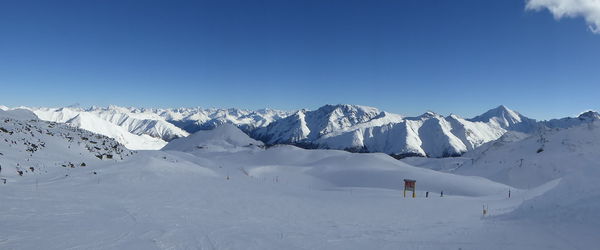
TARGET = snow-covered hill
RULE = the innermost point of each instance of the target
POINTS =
(31, 146)
(571, 199)
(547, 155)
(17, 114)
(228, 146)
(93, 123)
(226, 137)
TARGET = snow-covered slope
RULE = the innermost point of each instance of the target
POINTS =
(233, 148)
(29, 146)
(17, 114)
(569, 153)
(140, 123)
(365, 129)
(547, 155)
(93, 123)
(338, 168)
(226, 137)
(135, 123)
(572, 199)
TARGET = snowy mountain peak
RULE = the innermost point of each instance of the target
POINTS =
(345, 113)
(502, 112)
(353, 111)
(503, 108)
(589, 115)
(454, 117)
(429, 114)
(300, 112)
(506, 118)
(304, 127)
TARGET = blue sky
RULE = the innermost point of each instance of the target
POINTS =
(405, 57)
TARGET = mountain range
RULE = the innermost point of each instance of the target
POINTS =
(349, 127)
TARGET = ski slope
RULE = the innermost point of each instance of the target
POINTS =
(537, 159)
(172, 200)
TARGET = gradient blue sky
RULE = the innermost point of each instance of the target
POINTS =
(401, 56)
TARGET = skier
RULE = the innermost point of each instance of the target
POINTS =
(427, 194)
(442, 194)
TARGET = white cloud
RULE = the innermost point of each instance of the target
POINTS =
(588, 9)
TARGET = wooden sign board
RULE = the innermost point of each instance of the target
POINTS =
(410, 185)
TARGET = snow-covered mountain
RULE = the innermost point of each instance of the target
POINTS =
(93, 123)
(366, 129)
(507, 119)
(348, 127)
(136, 123)
(308, 126)
(196, 119)
(134, 133)
(142, 128)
